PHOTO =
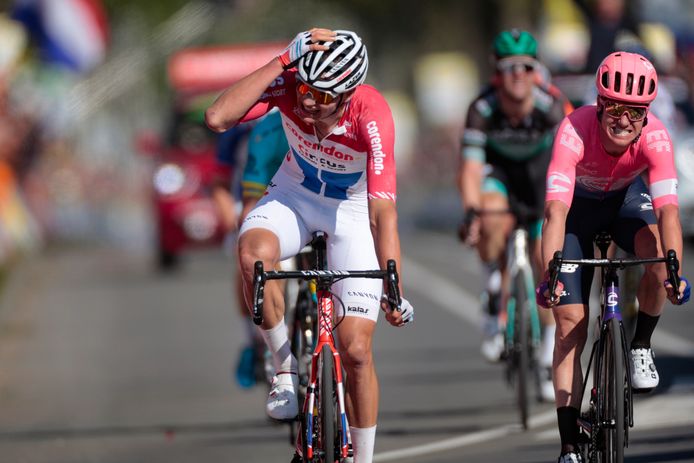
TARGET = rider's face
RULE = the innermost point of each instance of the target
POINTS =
(315, 105)
(517, 76)
(617, 133)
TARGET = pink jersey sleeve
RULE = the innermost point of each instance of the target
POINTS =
(378, 132)
(662, 176)
(561, 173)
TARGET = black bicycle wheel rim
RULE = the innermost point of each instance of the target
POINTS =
(327, 413)
(614, 382)
(521, 348)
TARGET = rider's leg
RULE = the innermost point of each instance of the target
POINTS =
(548, 327)
(637, 232)
(355, 344)
(261, 244)
(494, 231)
(571, 335)
(651, 296)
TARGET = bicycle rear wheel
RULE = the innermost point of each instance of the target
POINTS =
(613, 385)
(327, 413)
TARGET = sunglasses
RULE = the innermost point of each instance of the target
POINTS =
(318, 96)
(509, 67)
(616, 110)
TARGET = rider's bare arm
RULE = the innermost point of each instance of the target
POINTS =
(470, 183)
(670, 229)
(237, 100)
(553, 230)
(234, 103)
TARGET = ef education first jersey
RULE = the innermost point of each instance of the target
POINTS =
(580, 165)
(355, 161)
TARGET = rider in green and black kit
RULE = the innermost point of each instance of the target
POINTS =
(506, 147)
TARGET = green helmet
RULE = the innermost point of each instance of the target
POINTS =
(515, 42)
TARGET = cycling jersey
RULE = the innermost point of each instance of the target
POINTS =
(517, 155)
(581, 167)
(355, 161)
(491, 137)
(267, 147)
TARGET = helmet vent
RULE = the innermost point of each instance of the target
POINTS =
(605, 80)
(651, 88)
(642, 85)
(617, 81)
(630, 83)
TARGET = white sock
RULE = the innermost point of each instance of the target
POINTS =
(547, 349)
(277, 341)
(363, 440)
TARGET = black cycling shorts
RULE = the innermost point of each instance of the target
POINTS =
(622, 215)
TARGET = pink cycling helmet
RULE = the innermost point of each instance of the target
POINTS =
(627, 77)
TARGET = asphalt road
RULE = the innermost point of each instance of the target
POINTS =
(103, 360)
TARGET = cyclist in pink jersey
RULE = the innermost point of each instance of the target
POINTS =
(595, 181)
(339, 177)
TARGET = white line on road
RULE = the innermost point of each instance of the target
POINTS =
(451, 297)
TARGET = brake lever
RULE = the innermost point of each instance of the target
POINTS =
(393, 286)
(673, 267)
(554, 268)
(258, 292)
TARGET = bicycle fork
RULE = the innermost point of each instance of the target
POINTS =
(310, 407)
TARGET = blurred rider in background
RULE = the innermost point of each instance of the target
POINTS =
(506, 145)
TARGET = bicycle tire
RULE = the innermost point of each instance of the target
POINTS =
(299, 345)
(613, 384)
(327, 414)
(521, 347)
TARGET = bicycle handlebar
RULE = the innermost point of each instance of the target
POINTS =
(672, 265)
(260, 277)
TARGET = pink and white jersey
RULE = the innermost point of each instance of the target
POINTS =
(580, 165)
(356, 161)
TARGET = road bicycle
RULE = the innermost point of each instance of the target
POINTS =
(324, 430)
(605, 424)
(301, 307)
(523, 331)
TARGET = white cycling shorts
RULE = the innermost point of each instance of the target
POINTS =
(294, 213)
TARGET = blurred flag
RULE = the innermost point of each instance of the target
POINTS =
(69, 33)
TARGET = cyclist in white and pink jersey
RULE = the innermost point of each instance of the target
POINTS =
(595, 181)
(339, 177)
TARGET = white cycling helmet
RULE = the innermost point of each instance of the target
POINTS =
(337, 70)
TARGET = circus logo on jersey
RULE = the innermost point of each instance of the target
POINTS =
(329, 155)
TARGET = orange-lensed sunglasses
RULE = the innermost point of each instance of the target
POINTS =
(318, 96)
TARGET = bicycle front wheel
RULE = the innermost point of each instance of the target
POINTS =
(327, 413)
(613, 385)
(521, 346)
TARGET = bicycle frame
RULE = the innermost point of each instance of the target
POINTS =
(518, 260)
(609, 313)
(324, 280)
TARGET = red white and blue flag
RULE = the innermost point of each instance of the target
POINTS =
(69, 33)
